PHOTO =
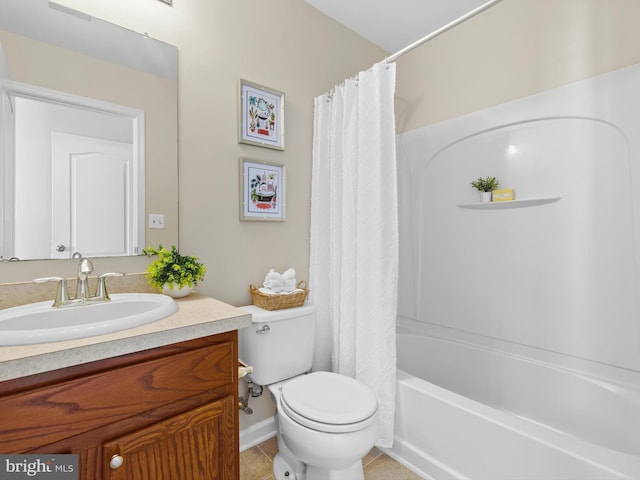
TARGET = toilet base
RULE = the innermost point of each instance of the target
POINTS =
(282, 470)
(354, 472)
(287, 467)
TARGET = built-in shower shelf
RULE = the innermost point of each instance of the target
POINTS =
(525, 202)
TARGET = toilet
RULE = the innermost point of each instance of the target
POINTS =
(326, 422)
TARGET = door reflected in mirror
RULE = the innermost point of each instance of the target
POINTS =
(78, 177)
(89, 135)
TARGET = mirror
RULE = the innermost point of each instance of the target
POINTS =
(88, 137)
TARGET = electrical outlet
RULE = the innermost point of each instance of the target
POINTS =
(156, 220)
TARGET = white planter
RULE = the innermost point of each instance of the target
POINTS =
(485, 197)
(176, 292)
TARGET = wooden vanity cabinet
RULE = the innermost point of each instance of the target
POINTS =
(168, 413)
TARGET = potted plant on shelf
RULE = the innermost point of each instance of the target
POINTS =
(485, 186)
(175, 274)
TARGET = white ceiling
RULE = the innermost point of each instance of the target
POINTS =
(394, 24)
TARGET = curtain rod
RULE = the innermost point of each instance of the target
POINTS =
(443, 29)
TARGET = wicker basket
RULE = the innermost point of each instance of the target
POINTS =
(279, 301)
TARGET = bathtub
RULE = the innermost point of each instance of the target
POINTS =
(467, 412)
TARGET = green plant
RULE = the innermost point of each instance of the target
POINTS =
(486, 184)
(172, 268)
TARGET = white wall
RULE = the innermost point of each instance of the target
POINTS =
(560, 277)
(516, 49)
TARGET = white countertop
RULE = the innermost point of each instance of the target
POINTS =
(197, 316)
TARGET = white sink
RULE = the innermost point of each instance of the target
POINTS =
(42, 323)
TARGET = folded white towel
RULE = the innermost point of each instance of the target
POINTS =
(272, 275)
(268, 291)
(289, 274)
(289, 285)
(280, 282)
(273, 281)
(275, 285)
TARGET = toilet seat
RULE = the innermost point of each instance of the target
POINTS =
(329, 402)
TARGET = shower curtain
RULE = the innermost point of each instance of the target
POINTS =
(354, 235)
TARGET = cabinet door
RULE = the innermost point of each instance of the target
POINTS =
(196, 445)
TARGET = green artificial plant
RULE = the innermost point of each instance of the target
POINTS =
(171, 268)
(487, 184)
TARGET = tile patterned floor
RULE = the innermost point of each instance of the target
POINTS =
(256, 464)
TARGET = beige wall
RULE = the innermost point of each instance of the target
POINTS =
(514, 49)
(284, 44)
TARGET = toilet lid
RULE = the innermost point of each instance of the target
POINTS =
(329, 402)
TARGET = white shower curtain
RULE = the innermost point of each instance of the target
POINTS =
(354, 235)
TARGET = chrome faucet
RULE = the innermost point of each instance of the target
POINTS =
(83, 296)
(85, 268)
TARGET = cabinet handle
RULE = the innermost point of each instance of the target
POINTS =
(116, 462)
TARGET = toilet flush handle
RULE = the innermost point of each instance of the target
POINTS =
(264, 330)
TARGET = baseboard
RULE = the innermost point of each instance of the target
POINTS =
(258, 433)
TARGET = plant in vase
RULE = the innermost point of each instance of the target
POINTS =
(175, 274)
(485, 186)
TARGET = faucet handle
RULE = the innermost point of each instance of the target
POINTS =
(101, 288)
(48, 279)
(62, 295)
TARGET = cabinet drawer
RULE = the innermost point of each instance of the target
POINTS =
(48, 414)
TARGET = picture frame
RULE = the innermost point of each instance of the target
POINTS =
(262, 190)
(261, 116)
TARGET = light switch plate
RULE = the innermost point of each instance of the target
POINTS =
(156, 221)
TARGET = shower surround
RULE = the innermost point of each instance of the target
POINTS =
(552, 277)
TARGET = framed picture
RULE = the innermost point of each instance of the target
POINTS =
(261, 116)
(261, 190)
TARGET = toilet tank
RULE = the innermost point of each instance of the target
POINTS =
(279, 343)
